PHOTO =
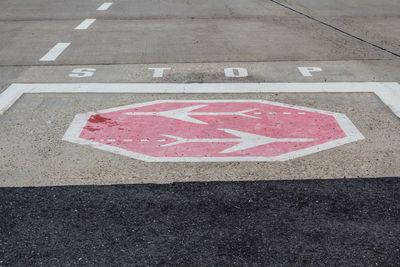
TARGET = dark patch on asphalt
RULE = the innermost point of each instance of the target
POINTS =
(281, 223)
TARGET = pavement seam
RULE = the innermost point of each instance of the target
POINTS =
(191, 62)
(335, 28)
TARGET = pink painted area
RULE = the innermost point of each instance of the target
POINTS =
(145, 133)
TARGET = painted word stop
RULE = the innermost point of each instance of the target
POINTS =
(212, 130)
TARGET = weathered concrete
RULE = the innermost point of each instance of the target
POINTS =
(141, 9)
(279, 71)
(33, 154)
(377, 22)
(197, 39)
(149, 41)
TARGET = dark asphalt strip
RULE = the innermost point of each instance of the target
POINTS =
(282, 223)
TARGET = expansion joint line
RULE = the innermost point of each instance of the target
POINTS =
(336, 29)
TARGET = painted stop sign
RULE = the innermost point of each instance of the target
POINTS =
(212, 130)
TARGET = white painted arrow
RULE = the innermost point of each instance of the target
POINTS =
(245, 140)
(184, 114)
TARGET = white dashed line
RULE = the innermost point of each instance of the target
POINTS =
(105, 6)
(55, 52)
(85, 24)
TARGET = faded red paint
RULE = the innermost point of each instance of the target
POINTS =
(146, 134)
(97, 119)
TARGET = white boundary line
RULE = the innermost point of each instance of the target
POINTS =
(84, 25)
(388, 92)
(55, 52)
(104, 6)
(73, 135)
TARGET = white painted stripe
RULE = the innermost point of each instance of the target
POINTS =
(388, 92)
(55, 52)
(85, 24)
(104, 6)
(10, 96)
(391, 97)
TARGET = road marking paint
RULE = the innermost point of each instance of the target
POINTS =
(230, 138)
(158, 72)
(388, 92)
(236, 72)
(104, 6)
(55, 52)
(306, 71)
(82, 72)
(186, 113)
(85, 24)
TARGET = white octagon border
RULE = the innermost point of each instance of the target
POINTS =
(73, 132)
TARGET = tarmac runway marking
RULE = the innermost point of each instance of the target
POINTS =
(85, 24)
(55, 52)
(388, 92)
(229, 138)
(158, 72)
(307, 71)
(104, 6)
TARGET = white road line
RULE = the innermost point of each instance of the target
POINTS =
(104, 6)
(55, 52)
(85, 24)
(388, 92)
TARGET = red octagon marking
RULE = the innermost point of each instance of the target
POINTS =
(212, 130)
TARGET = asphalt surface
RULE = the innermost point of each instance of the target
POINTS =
(285, 223)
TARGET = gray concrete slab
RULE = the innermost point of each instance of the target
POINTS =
(149, 41)
(9, 75)
(11, 10)
(375, 21)
(282, 71)
(348, 8)
(141, 9)
(33, 154)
